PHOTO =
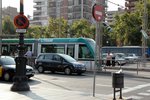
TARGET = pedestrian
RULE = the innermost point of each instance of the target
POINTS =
(108, 59)
(113, 60)
(28, 53)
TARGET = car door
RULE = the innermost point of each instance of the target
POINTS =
(47, 62)
(57, 63)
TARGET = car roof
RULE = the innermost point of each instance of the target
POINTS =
(52, 54)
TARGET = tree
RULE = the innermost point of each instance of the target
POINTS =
(8, 26)
(57, 27)
(82, 28)
(36, 32)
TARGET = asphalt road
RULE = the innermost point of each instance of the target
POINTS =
(135, 87)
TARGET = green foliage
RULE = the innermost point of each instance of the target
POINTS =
(8, 26)
(57, 27)
(82, 28)
(127, 29)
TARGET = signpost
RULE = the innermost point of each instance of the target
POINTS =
(97, 12)
(20, 79)
(21, 21)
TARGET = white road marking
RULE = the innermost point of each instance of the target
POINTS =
(144, 94)
(104, 85)
(132, 88)
(133, 98)
(148, 90)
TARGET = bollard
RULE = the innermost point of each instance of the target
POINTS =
(117, 82)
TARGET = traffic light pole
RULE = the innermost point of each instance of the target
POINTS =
(20, 79)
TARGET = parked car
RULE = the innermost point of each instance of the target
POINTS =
(131, 57)
(120, 58)
(56, 62)
(8, 68)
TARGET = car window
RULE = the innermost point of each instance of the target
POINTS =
(56, 58)
(7, 61)
(48, 57)
(69, 58)
(41, 57)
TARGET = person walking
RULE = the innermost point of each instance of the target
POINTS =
(113, 60)
(108, 59)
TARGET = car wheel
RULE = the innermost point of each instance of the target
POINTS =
(67, 71)
(79, 73)
(40, 69)
(6, 76)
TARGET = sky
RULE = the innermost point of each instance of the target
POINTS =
(28, 5)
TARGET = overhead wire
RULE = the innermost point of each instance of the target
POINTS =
(116, 4)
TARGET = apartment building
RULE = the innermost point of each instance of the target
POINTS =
(9, 11)
(110, 19)
(69, 9)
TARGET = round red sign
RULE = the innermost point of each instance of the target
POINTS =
(21, 21)
(97, 12)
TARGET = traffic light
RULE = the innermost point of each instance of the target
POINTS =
(107, 26)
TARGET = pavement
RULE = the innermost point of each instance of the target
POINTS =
(40, 90)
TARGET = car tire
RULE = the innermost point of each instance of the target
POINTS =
(79, 73)
(6, 76)
(40, 69)
(67, 71)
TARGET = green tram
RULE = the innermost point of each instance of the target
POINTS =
(82, 49)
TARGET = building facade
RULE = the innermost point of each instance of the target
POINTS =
(9, 11)
(110, 19)
(68, 9)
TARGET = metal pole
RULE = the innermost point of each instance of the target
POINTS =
(20, 79)
(95, 59)
(59, 19)
(81, 9)
(144, 27)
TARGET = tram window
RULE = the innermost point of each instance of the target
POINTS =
(4, 47)
(54, 48)
(28, 47)
(70, 50)
(13, 50)
(84, 52)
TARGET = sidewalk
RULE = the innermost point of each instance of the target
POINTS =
(43, 91)
(40, 90)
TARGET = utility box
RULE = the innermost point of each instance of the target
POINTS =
(118, 80)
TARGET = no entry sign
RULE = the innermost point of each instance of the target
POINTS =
(97, 12)
(21, 21)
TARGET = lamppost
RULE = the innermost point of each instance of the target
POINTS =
(20, 79)
(144, 27)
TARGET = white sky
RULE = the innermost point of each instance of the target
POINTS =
(28, 5)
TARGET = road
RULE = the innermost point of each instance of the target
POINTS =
(137, 88)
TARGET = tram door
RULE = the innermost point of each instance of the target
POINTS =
(70, 50)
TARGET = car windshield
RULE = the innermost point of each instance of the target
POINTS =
(7, 61)
(68, 58)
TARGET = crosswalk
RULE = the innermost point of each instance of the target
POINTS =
(140, 96)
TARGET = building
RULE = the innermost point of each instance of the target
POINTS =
(110, 19)
(130, 5)
(69, 9)
(9, 11)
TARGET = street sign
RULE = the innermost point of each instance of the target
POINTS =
(97, 12)
(21, 21)
(21, 30)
